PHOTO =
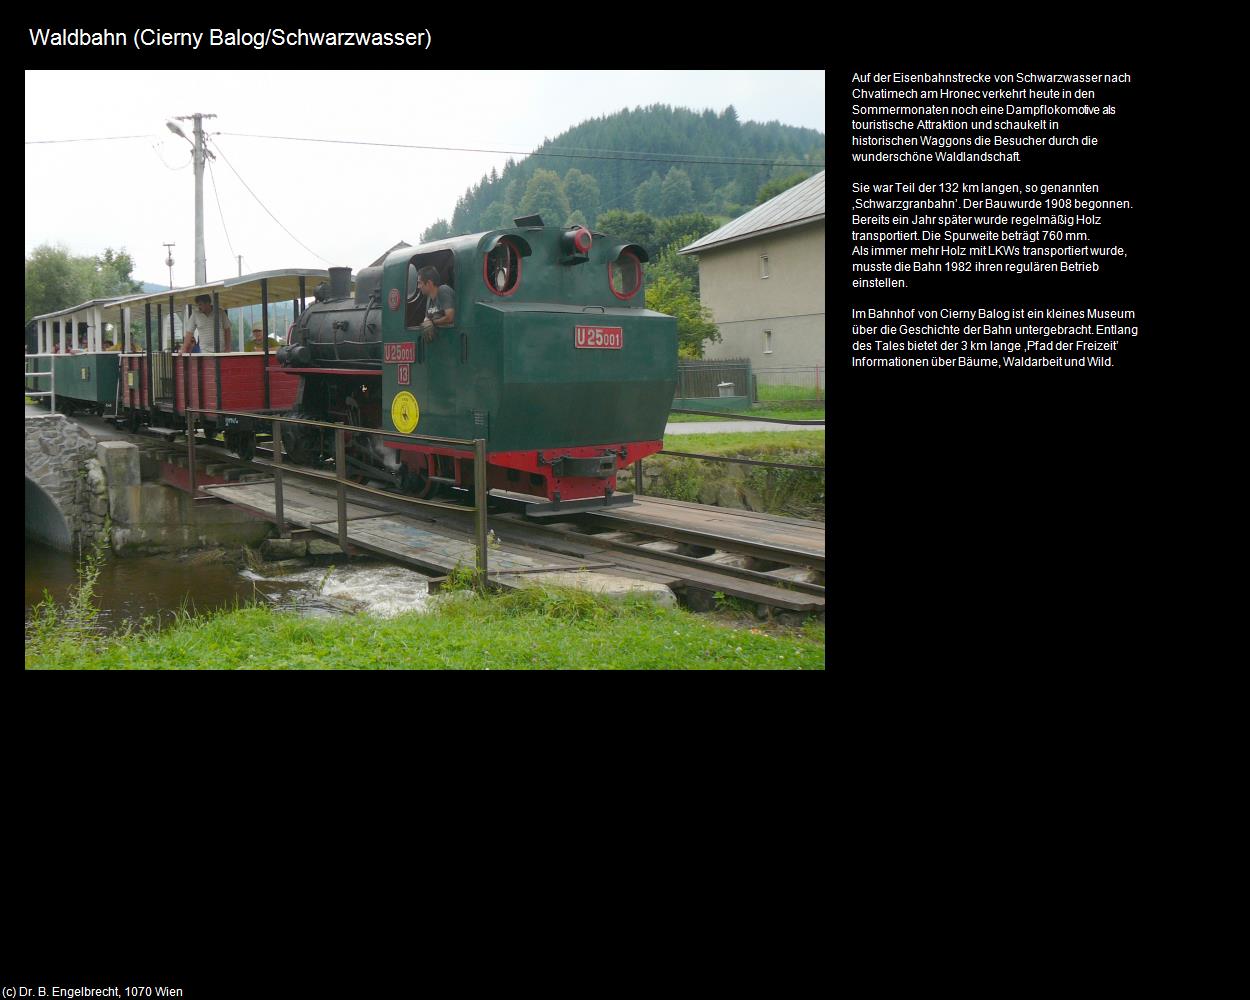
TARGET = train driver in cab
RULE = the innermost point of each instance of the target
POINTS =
(200, 327)
(440, 303)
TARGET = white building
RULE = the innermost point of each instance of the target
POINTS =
(763, 277)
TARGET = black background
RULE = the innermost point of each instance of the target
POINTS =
(992, 499)
(976, 519)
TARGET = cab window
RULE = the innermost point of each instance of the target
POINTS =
(442, 261)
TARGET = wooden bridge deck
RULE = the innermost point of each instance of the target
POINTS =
(439, 540)
(797, 542)
(411, 539)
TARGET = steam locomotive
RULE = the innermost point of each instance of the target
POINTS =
(552, 358)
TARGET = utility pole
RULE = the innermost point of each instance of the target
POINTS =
(169, 262)
(198, 154)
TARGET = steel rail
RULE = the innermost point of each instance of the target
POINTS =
(391, 505)
(635, 549)
(724, 543)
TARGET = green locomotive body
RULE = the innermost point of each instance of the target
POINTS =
(552, 358)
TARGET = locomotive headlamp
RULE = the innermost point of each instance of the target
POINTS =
(576, 246)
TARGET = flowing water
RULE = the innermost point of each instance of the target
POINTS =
(160, 586)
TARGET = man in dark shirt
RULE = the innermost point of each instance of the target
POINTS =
(440, 303)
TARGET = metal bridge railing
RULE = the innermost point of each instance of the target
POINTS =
(722, 458)
(280, 468)
(50, 374)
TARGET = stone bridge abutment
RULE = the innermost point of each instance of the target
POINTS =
(76, 485)
(66, 492)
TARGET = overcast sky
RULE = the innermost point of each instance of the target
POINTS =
(346, 204)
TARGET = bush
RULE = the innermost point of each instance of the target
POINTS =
(789, 492)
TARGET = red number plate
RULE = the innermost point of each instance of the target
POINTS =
(400, 353)
(604, 337)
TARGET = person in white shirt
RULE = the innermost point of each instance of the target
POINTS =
(201, 322)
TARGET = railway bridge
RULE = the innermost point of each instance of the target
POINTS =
(65, 491)
(76, 473)
(81, 477)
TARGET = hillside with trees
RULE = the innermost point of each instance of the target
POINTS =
(659, 176)
(659, 160)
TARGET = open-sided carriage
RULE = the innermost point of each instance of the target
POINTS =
(84, 378)
(159, 382)
(149, 382)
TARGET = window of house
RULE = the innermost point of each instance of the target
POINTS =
(768, 341)
(763, 265)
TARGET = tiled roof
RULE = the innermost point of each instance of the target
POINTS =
(800, 204)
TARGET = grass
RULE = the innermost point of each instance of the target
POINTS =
(786, 402)
(778, 412)
(760, 445)
(782, 408)
(530, 629)
(787, 393)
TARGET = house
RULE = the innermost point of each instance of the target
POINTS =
(763, 277)
(401, 245)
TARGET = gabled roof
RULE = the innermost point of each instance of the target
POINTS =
(798, 206)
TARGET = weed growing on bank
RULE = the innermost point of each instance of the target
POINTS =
(73, 624)
(535, 628)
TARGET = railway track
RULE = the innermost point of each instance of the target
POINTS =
(700, 552)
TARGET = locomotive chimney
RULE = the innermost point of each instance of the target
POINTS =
(340, 282)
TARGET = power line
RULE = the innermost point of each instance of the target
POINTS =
(565, 152)
(102, 138)
(561, 151)
(266, 208)
(606, 154)
(156, 149)
(220, 213)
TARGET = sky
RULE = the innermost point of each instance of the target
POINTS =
(346, 204)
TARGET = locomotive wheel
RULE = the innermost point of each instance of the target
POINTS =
(302, 444)
(132, 421)
(242, 443)
(416, 481)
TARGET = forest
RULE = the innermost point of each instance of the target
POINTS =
(659, 160)
(659, 176)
